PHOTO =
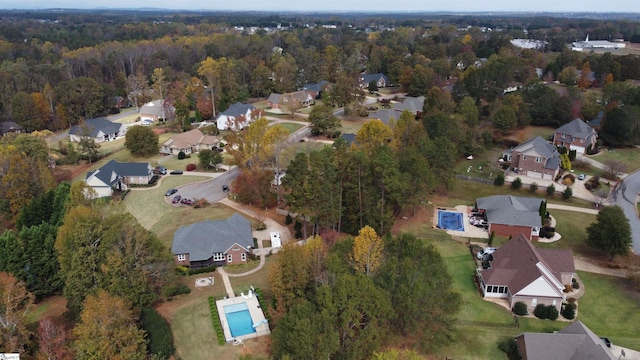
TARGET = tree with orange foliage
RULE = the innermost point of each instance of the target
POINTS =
(53, 341)
(15, 304)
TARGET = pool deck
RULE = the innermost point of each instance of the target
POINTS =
(257, 316)
(470, 231)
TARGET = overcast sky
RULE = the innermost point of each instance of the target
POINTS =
(343, 5)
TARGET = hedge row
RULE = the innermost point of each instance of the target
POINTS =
(215, 318)
(263, 304)
(160, 340)
(207, 269)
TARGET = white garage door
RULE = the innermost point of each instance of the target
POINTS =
(548, 177)
(534, 174)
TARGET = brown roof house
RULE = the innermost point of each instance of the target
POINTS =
(189, 142)
(301, 98)
(511, 215)
(575, 342)
(209, 242)
(576, 135)
(535, 158)
(521, 273)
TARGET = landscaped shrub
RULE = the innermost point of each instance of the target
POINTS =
(207, 269)
(288, 219)
(569, 311)
(573, 154)
(182, 270)
(567, 193)
(551, 190)
(516, 184)
(159, 338)
(547, 232)
(263, 304)
(552, 313)
(191, 167)
(181, 155)
(568, 179)
(533, 187)
(216, 321)
(575, 284)
(541, 311)
(499, 180)
(510, 347)
(174, 290)
(593, 183)
(298, 229)
(520, 308)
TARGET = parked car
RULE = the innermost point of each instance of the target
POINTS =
(225, 188)
(186, 201)
(176, 199)
(484, 252)
(176, 172)
(160, 170)
(171, 192)
(581, 177)
(606, 341)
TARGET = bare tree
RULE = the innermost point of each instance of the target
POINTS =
(614, 168)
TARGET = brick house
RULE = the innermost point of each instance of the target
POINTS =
(576, 135)
(209, 242)
(277, 101)
(535, 158)
(511, 215)
(521, 273)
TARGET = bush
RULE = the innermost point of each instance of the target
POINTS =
(298, 229)
(516, 184)
(567, 194)
(510, 347)
(207, 269)
(174, 290)
(520, 308)
(200, 203)
(552, 313)
(547, 232)
(215, 318)
(499, 180)
(568, 179)
(593, 183)
(159, 338)
(182, 270)
(191, 167)
(181, 155)
(288, 219)
(541, 311)
(575, 284)
(533, 187)
(569, 311)
(551, 190)
(263, 304)
(572, 154)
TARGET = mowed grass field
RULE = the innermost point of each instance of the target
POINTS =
(628, 156)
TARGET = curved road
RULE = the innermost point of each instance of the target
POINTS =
(208, 189)
(624, 195)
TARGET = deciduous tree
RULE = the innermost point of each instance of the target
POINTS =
(53, 341)
(141, 141)
(367, 252)
(208, 158)
(611, 232)
(15, 304)
(372, 134)
(322, 119)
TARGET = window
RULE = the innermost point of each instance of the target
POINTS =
(218, 257)
(182, 257)
(534, 302)
(501, 290)
(538, 159)
(229, 258)
(489, 288)
(243, 256)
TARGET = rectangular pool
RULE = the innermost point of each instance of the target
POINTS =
(239, 319)
(450, 220)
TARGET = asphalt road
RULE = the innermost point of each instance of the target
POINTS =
(624, 195)
(209, 189)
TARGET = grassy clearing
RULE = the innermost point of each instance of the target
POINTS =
(572, 226)
(484, 166)
(629, 156)
(291, 127)
(290, 152)
(530, 132)
(352, 125)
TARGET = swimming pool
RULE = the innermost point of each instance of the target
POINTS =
(239, 319)
(450, 220)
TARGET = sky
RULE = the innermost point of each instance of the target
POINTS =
(624, 6)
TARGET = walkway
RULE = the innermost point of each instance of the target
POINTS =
(572, 208)
(588, 265)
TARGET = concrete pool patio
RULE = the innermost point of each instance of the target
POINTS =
(470, 231)
(259, 322)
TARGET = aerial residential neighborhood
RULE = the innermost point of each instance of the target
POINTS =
(222, 185)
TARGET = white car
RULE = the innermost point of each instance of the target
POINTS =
(484, 252)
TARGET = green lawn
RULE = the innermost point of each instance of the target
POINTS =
(352, 126)
(629, 156)
(572, 226)
(484, 166)
(290, 152)
(291, 127)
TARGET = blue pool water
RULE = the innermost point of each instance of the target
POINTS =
(450, 220)
(239, 319)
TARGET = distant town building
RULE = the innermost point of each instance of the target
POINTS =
(596, 44)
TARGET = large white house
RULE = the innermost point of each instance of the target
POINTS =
(237, 117)
(100, 129)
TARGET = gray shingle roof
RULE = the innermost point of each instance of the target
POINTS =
(412, 104)
(9, 126)
(107, 171)
(152, 108)
(317, 87)
(542, 147)
(511, 210)
(238, 109)
(94, 126)
(578, 129)
(385, 115)
(203, 239)
(367, 78)
(597, 121)
(574, 342)
(274, 98)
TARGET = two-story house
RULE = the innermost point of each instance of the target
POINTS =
(535, 158)
(237, 117)
(576, 135)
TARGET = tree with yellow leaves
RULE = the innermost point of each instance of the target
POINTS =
(367, 251)
(373, 134)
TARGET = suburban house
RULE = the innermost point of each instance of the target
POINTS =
(315, 90)
(155, 110)
(210, 242)
(412, 104)
(381, 80)
(278, 101)
(8, 127)
(574, 342)
(188, 142)
(100, 129)
(385, 115)
(237, 116)
(596, 123)
(117, 176)
(535, 158)
(509, 215)
(521, 273)
(576, 135)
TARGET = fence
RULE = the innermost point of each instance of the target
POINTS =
(475, 179)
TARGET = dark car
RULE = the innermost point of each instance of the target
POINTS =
(225, 188)
(606, 341)
(176, 172)
(176, 199)
(161, 170)
(186, 201)
(171, 192)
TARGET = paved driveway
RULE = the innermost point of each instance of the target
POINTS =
(624, 195)
(208, 189)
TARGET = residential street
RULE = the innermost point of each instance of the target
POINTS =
(625, 195)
